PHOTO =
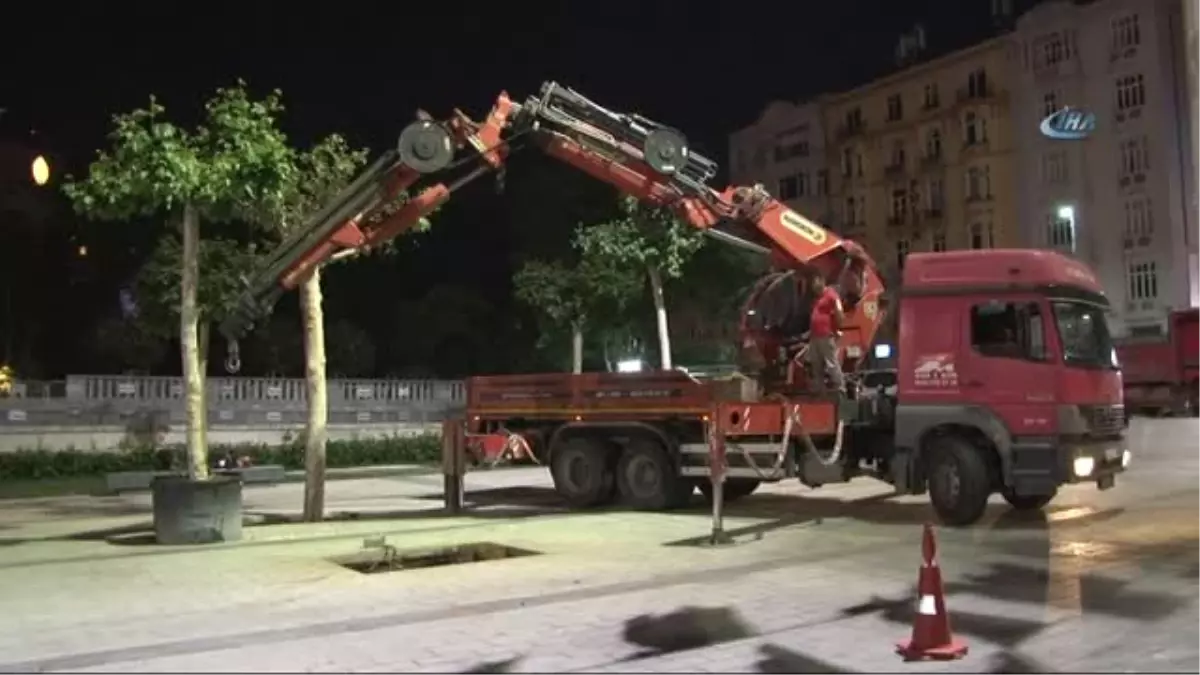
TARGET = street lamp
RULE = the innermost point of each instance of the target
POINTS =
(41, 171)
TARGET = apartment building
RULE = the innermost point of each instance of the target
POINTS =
(921, 160)
(784, 150)
(1121, 199)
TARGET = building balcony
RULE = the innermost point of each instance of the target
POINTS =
(932, 213)
(968, 94)
(894, 169)
(932, 161)
(977, 198)
(897, 219)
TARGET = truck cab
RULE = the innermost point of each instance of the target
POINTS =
(1007, 380)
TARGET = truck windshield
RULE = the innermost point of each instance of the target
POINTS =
(1084, 333)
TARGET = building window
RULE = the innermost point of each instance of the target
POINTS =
(1125, 33)
(1054, 167)
(1131, 92)
(901, 252)
(977, 84)
(939, 242)
(858, 164)
(933, 143)
(1060, 233)
(974, 128)
(1049, 103)
(936, 195)
(979, 183)
(895, 108)
(791, 150)
(1050, 50)
(897, 155)
(822, 182)
(1142, 279)
(899, 204)
(981, 235)
(932, 99)
(854, 120)
(1009, 330)
(1139, 222)
(851, 212)
(802, 185)
(787, 188)
(847, 162)
(1134, 159)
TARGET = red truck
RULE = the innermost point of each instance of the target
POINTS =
(1005, 378)
(1160, 373)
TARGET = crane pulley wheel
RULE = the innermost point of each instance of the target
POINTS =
(666, 151)
(426, 147)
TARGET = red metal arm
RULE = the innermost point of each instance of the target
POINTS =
(626, 151)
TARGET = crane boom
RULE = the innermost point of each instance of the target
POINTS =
(636, 155)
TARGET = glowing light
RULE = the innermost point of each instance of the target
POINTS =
(1066, 212)
(82, 251)
(629, 366)
(41, 171)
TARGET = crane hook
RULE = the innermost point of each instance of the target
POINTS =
(233, 359)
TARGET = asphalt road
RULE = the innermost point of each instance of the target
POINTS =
(818, 581)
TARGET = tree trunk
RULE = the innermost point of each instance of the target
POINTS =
(315, 428)
(189, 345)
(577, 348)
(202, 360)
(660, 315)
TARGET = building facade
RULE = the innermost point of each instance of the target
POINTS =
(784, 150)
(1120, 199)
(921, 160)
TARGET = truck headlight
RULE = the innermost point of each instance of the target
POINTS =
(1125, 457)
(1084, 466)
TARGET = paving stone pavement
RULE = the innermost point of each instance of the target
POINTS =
(1105, 582)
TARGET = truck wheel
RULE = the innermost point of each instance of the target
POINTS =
(735, 488)
(581, 472)
(647, 479)
(1026, 502)
(959, 483)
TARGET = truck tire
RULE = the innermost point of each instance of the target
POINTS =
(959, 482)
(735, 488)
(1026, 502)
(582, 471)
(647, 479)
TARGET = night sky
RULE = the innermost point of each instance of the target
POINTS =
(362, 71)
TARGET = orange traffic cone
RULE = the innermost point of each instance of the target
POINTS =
(931, 636)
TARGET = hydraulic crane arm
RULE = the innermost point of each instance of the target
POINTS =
(638, 156)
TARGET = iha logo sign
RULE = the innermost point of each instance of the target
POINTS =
(1068, 124)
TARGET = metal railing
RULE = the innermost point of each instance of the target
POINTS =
(118, 399)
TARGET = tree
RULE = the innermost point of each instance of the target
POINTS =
(234, 167)
(570, 297)
(319, 175)
(650, 239)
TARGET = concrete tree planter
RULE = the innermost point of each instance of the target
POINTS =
(188, 511)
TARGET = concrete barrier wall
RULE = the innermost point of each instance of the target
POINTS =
(109, 437)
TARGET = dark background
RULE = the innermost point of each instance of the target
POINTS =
(362, 70)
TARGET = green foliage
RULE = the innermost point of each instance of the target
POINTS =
(577, 294)
(320, 174)
(642, 236)
(157, 283)
(236, 165)
(41, 464)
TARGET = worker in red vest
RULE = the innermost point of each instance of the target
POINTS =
(824, 329)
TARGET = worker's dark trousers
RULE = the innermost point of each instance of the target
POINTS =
(822, 357)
